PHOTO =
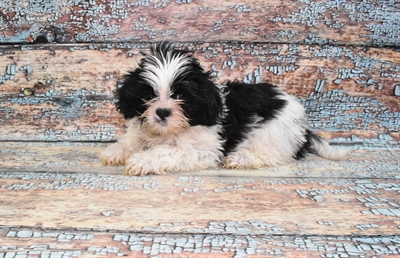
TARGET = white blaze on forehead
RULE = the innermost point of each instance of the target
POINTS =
(161, 71)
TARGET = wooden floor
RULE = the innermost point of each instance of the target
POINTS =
(57, 200)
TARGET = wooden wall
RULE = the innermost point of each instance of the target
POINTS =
(60, 60)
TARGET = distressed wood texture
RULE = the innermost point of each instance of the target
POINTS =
(360, 22)
(60, 62)
(37, 200)
(65, 92)
(93, 214)
(65, 243)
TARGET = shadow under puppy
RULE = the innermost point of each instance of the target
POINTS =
(180, 120)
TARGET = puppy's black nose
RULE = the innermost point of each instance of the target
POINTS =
(163, 113)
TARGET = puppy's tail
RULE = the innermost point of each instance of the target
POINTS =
(321, 147)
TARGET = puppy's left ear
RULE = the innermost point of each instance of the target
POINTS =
(130, 94)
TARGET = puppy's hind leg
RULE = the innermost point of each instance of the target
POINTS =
(242, 159)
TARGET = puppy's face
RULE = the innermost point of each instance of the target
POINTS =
(169, 92)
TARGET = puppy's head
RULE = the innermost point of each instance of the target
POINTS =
(169, 91)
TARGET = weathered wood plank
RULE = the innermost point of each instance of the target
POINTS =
(201, 205)
(82, 158)
(36, 242)
(57, 199)
(357, 22)
(346, 90)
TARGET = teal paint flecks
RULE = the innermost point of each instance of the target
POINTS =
(94, 21)
(336, 111)
(329, 108)
(314, 14)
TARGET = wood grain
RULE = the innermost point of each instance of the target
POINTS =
(57, 200)
(65, 92)
(312, 22)
(60, 62)
(239, 206)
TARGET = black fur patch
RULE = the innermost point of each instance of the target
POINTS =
(244, 103)
(306, 147)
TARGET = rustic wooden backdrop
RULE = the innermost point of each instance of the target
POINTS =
(60, 62)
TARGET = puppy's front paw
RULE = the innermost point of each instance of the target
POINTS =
(139, 165)
(113, 155)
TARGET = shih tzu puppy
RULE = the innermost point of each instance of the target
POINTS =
(180, 120)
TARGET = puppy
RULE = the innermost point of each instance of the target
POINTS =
(180, 120)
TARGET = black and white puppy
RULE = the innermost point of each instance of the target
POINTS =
(180, 120)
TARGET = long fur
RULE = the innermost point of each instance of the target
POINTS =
(180, 120)
(267, 127)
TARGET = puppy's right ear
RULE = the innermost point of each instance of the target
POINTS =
(131, 94)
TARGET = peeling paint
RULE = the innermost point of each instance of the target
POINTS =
(152, 245)
(329, 111)
(314, 49)
(372, 22)
(337, 97)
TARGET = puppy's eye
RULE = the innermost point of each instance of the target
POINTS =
(147, 96)
(178, 96)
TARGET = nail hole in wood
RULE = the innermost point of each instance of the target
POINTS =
(27, 91)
